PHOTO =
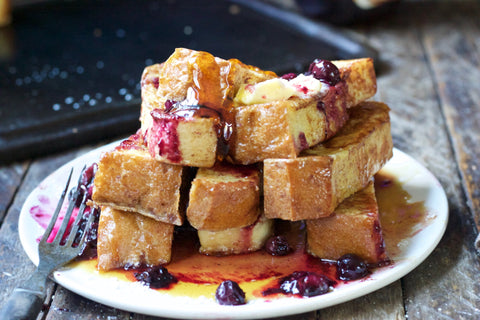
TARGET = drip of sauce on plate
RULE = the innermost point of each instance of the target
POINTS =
(400, 217)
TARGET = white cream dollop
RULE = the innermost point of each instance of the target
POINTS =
(279, 89)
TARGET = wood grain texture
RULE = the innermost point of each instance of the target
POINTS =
(385, 304)
(10, 178)
(455, 63)
(446, 284)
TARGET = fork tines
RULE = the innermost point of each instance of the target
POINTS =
(63, 230)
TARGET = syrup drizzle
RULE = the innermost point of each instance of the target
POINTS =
(206, 98)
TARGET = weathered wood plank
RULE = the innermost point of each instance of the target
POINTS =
(446, 284)
(385, 304)
(455, 61)
(10, 177)
(67, 305)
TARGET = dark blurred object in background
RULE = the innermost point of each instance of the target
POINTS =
(343, 12)
(339, 12)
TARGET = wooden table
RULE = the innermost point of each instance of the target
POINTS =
(429, 74)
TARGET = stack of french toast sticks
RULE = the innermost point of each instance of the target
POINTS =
(231, 148)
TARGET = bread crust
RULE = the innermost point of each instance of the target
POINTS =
(129, 179)
(225, 196)
(126, 239)
(312, 185)
(354, 228)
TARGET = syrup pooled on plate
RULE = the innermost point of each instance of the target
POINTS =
(400, 218)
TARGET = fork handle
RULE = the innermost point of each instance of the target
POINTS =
(23, 304)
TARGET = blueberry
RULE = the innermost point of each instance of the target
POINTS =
(156, 277)
(351, 267)
(277, 246)
(229, 293)
(307, 284)
(325, 71)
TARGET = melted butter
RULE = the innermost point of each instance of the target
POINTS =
(199, 275)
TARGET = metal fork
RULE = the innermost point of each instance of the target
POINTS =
(27, 300)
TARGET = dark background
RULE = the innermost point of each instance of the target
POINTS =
(70, 70)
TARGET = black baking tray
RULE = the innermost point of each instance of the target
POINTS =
(70, 70)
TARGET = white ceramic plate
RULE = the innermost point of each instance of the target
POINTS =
(131, 296)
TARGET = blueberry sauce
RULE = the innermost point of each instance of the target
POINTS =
(334, 106)
(229, 293)
(86, 186)
(169, 104)
(156, 82)
(302, 142)
(162, 138)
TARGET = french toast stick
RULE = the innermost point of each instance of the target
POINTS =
(236, 240)
(312, 185)
(129, 179)
(186, 114)
(283, 128)
(353, 228)
(223, 197)
(129, 239)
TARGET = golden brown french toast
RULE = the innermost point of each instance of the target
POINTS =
(236, 240)
(283, 128)
(309, 143)
(223, 197)
(129, 179)
(353, 228)
(209, 79)
(197, 108)
(361, 79)
(126, 239)
(186, 113)
(312, 185)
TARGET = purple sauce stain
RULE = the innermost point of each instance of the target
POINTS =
(162, 138)
(42, 214)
